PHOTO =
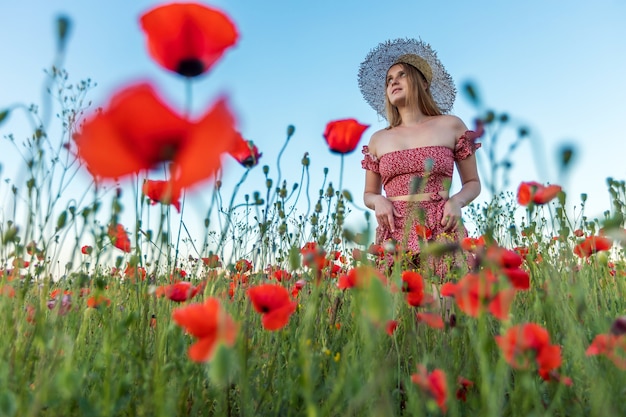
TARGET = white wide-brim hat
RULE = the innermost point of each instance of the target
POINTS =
(373, 72)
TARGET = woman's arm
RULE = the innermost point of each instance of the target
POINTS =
(373, 199)
(470, 189)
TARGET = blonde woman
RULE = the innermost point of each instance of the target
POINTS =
(413, 159)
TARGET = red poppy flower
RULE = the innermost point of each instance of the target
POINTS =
(525, 192)
(181, 291)
(137, 131)
(391, 327)
(119, 237)
(504, 258)
(343, 136)
(348, 280)
(212, 261)
(313, 256)
(274, 303)
(500, 305)
(473, 244)
(522, 251)
(413, 285)
(162, 192)
(463, 387)
(591, 245)
(471, 293)
(423, 232)
(86, 250)
(519, 278)
(359, 276)
(281, 275)
(299, 285)
(546, 194)
(613, 346)
(537, 193)
(245, 152)
(243, 265)
(377, 250)
(96, 301)
(530, 337)
(133, 272)
(209, 323)
(187, 38)
(433, 383)
(431, 319)
(7, 291)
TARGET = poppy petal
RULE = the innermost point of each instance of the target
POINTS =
(187, 38)
(212, 136)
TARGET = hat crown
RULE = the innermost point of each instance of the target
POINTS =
(417, 62)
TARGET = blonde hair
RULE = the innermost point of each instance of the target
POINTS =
(418, 96)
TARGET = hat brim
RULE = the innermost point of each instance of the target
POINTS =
(373, 71)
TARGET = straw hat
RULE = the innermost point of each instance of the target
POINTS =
(373, 71)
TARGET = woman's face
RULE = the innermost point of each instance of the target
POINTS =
(397, 84)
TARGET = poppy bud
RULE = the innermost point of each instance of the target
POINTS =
(618, 327)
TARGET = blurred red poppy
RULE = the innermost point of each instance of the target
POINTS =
(530, 337)
(359, 277)
(209, 323)
(245, 152)
(423, 232)
(536, 193)
(433, 383)
(137, 131)
(243, 265)
(433, 320)
(281, 275)
(413, 286)
(313, 256)
(187, 38)
(347, 280)
(96, 301)
(591, 245)
(463, 388)
(212, 261)
(161, 192)
(546, 194)
(132, 272)
(180, 291)
(391, 327)
(503, 257)
(611, 345)
(519, 278)
(274, 303)
(343, 136)
(500, 304)
(119, 237)
(473, 244)
(86, 250)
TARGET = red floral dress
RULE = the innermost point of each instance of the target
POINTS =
(420, 170)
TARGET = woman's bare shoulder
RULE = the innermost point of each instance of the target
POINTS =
(453, 124)
(375, 140)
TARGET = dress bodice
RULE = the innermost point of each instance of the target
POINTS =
(426, 169)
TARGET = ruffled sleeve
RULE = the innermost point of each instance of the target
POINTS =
(369, 162)
(466, 145)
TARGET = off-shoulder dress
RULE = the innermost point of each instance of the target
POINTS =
(426, 169)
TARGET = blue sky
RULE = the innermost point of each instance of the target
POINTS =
(556, 66)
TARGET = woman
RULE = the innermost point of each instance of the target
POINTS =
(413, 158)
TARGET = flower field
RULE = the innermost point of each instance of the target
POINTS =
(282, 311)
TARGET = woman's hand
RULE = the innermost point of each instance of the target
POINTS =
(385, 213)
(451, 215)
